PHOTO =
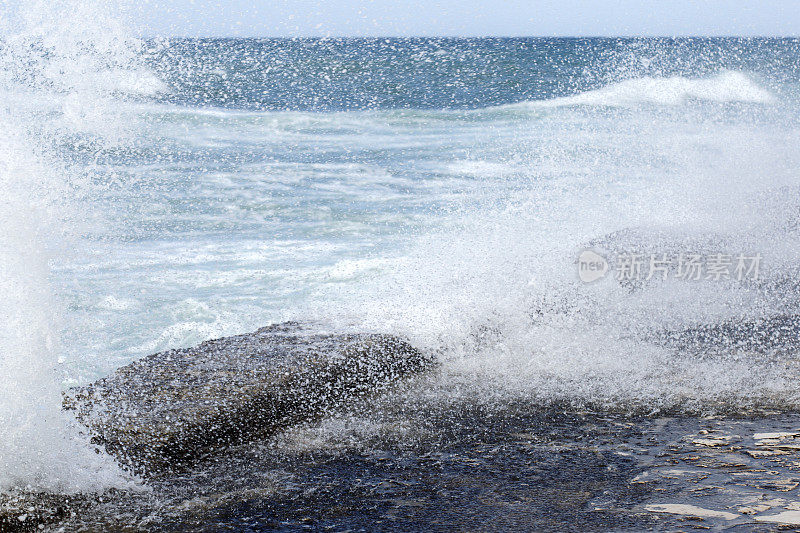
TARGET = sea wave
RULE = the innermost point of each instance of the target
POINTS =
(51, 83)
(724, 87)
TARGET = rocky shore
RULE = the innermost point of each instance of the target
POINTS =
(170, 410)
(292, 429)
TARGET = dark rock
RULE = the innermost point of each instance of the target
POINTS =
(29, 511)
(173, 408)
(775, 335)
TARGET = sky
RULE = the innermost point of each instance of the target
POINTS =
(335, 18)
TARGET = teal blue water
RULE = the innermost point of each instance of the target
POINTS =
(427, 187)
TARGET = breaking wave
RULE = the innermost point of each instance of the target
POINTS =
(726, 86)
(60, 67)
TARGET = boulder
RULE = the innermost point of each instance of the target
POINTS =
(173, 408)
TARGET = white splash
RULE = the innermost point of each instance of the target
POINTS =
(497, 293)
(62, 62)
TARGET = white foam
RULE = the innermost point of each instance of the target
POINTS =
(727, 86)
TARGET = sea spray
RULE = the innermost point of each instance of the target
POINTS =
(658, 165)
(62, 63)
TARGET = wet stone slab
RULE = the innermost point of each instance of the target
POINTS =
(462, 467)
(729, 475)
(409, 462)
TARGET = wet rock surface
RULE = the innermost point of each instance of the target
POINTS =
(173, 408)
(31, 511)
(456, 467)
(730, 475)
(465, 466)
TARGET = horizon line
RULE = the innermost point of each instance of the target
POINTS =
(587, 36)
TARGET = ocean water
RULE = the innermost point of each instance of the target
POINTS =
(164, 192)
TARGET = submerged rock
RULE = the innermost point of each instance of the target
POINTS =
(173, 408)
